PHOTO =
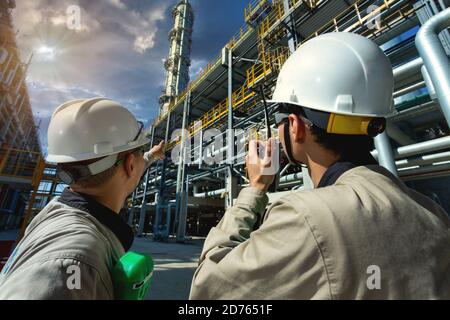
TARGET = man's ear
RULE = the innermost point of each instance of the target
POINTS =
(129, 165)
(297, 128)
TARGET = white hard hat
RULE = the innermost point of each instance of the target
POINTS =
(83, 130)
(339, 73)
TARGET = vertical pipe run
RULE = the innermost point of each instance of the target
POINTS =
(143, 206)
(385, 153)
(161, 193)
(291, 41)
(230, 142)
(143, 211)
(180, 209)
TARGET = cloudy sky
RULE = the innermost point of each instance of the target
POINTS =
(116, 52)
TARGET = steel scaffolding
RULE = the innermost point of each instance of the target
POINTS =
(20, 152)
(224, 97)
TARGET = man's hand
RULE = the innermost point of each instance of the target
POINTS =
(260, 171)
(157, 152)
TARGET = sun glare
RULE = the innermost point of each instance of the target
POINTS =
(46, 53)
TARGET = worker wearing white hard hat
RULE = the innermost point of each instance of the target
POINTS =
(70, 248)
(361, 233)
(83, 130)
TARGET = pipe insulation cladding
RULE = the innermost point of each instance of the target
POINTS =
(435, 59)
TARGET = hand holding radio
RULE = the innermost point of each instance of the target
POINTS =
(261, 170)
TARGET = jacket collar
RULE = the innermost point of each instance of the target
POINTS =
(342, 166)
(104, 215)
(334, 172)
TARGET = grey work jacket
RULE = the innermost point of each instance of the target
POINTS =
(367, 236)
(67, 252)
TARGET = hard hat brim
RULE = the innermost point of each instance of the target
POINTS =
(318, 118)
(321, 109)
(54, 158)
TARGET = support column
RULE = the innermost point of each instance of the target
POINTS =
(231, 185)
(162, 197)
(143, 211)
(181, 209)
(292, 38)
(385, 153)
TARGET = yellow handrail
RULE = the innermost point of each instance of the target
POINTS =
(275, 15)
(253, 7)
(269, 61)
(36, 180)
(357, 12)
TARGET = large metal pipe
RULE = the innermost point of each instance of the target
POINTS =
(210, 194)
(429, 83)
(143, 208)
(382, 142)
(420, 148)
(409, 89)
(385, 153)
(398, 135)
(408, 69)
(433, 159)
(435, 59)
(424, 160)
(428, 172)
(415, 112)
(292, 177)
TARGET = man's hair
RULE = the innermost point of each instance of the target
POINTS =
(353, 148)
(101, 178)
(96, 180)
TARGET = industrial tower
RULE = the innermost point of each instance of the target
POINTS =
(178, 62)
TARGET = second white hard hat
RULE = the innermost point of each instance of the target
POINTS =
(82, 130)
(340, 73)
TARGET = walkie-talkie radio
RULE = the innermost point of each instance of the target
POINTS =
(274, 186)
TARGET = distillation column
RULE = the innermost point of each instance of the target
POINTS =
(178, 62)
